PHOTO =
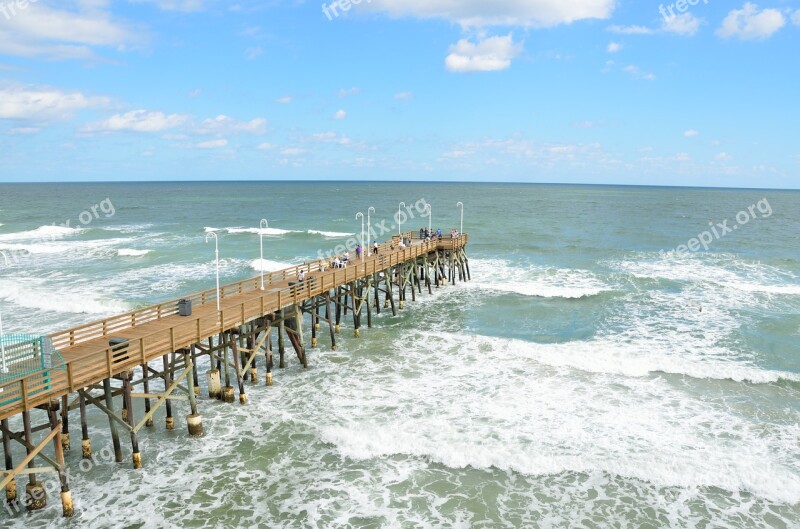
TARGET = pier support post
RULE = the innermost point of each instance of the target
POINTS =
(281, 344)
(195, 378)
(329, 316)
(86, 443)
(239, 367)
(170, 420)
(193, 420)
(35, 495)
(58, 445)
(146, 389)
(11, 487)
(126, 398)
(65, 444)
(338, 304)
(111, 423)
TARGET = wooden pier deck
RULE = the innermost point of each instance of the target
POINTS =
(232, 337)
(158, 330)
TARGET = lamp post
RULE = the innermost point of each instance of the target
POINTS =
(400, 218)
(461, 205)
(4, 369)
(361, 215)
(216, 257)
(369, 224)
(263, 226)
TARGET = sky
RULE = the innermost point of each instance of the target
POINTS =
(691, 93)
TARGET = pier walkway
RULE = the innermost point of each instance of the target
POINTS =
(232, 336)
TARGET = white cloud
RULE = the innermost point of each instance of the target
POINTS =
(479, 13)
(636, 73)
(748, 23)
(490, 54)
(613, 47)
(253, 53)
(796, 18)
(212, 144)
(330, 137)
(285, 100)
(18, 102)
(186, 6)
(349, 92)
(195, 93)
(404, 96)
(685, 24)
(340, 115)
(39, 30)
(223, 124)
(138, 121)
(266, 147)
(631, 30)
(723, 157)
(691, 133)
(292, 151)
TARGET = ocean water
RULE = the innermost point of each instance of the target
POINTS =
(587, 377)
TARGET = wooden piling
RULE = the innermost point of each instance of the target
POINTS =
(111, 423)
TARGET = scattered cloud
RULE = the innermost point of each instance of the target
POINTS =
(340, 115)
(349, 92)
(72, 32)
(404, 96)
(631, 30)
(212, 144)
(43, 104)
(195, 93)
(253, 53)
(686, 24)
(267, 147)
(23, 131)
(723, 157)
(796, 18)
(750, 23)
(185, 6)
(479, 13)
(614, 47)
(488, 55)
(330, 137)
(691, 133)
(636, 73)
(138, 121)
(292, 151)
(285, 100)
(223, 124)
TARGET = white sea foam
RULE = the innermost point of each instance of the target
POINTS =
(255, 231)
(493, 403)
(39, 295)
(499, 275)
(269, 265)
(330, 234)
(128, 252)
(42, 232)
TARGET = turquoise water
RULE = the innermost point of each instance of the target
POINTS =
(587, 377)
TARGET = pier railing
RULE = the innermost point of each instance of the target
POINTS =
(106, 362)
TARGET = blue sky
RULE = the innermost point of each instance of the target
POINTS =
(583, 91)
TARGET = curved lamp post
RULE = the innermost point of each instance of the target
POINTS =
(216, 257)
(461, 205)
(369, 224)
(400, 218)
(361, 216)
(263, 226)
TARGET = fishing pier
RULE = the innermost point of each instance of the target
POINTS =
(108, 366)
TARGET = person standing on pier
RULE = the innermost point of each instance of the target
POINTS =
(375, 247)
(358, 252)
